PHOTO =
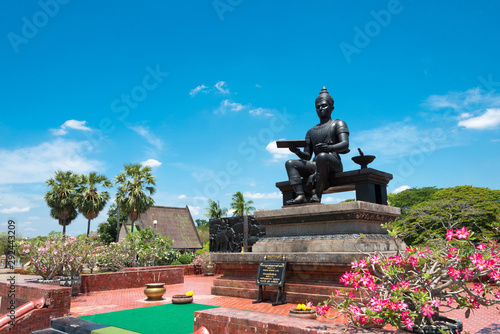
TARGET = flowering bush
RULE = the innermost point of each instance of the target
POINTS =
(112, 257)
(47, 255)
(413, 289)
(81, 250)
(199, 261)
(147, 248)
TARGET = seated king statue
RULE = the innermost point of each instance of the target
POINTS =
(326, 140)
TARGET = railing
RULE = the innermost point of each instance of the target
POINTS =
(22, 310)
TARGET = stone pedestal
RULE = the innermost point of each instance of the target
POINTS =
(318, 241)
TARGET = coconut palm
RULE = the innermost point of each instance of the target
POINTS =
(240, 206)
(61, 197)
(90, 201)
(214, 210)
(134, 185)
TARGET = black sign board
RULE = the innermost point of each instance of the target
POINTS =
(271, 273)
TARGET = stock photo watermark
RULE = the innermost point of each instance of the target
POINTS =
(223, 6)
(10, 262)
(363, 36)
(32, 25)
(249, 149)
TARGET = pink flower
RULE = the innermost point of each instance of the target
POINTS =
(427, 311)
(376, 304)
(480, 247)
(467, 273)
(408, 323)
(462, 233)
(455, 273)
(435, 303)
(478, 288)
(402, 306)
(404, 285)
(375, 259)
(449, 235)
(413, 261)
(497, 295)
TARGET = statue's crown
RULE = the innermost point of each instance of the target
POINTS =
(324, 95)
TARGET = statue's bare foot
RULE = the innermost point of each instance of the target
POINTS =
(315, 199)
(301, 199)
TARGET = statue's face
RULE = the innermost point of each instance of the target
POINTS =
(323, 109)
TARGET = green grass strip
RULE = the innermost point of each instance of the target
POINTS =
(167, 318)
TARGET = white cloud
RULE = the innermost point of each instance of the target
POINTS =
(279, 154)
(221, 87)
(198, 89)
(258, 86)
(14, 209)
(182, 196)
(227, 105)
(261, 111)
(252, 184)
(29, 229)
(38, 163)
(27, 223)
(400, 189)
(144, 132)
(459, 101)
(70, 124)
(273, 195)
(151, 163)
(489, 120)
(33, 218)
(327, 199)
(195, 210)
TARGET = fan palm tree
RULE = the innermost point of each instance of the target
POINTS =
(214, 210)
(90, 201)
(240, 206)
(133, 187)
(61, 197)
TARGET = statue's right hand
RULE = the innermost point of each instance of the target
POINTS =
(293, 148)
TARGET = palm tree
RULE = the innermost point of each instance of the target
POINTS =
(90, 201)
(239, 205)
(134, 184)
(214, 210)
(61, 197)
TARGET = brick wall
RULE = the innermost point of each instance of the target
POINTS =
(233, 321)
(130, 279)
(189, 269)
(57, 304)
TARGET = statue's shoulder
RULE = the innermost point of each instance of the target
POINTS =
(340, 126)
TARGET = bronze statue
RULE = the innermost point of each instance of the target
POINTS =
(326, 140)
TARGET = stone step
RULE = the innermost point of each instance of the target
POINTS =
(72, 325)
(48, 331)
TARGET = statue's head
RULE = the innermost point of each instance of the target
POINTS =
(324, 104)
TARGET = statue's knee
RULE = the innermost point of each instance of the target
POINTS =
(289, 163)
(323, 157)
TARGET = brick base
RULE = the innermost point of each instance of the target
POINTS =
(226, 320)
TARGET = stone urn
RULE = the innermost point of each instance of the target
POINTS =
(155, 291)
(182, 299)
(209, 269)
(308, 314)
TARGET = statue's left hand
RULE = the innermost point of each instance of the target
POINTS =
(322, 147)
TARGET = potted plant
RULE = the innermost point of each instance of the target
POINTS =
(303, 311)
(413, 290)
(183, 299)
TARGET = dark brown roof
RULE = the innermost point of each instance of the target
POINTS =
(175, 223)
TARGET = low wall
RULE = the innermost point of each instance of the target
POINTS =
(57, 304)
(130, 279)
(227, 320)
(189, 269)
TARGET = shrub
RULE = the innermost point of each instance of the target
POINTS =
(176, 263)
(185, 258)
(112, 257)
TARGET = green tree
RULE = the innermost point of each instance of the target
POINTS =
(61, 197)
(424, 221)
(411, 197)
(148, 248)
(240, 206)
(214, 210)
(90, 201)
(107, 229)
(134, 185)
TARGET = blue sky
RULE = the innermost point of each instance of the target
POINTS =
(200, 90)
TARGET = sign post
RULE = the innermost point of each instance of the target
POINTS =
(271, 273)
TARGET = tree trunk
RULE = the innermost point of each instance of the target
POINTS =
(117, 223)
(88, 229)
(64, 228)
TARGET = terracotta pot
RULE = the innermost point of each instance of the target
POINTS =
(182, 299)
(309, 314)
(450, 325)
(155, 291)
